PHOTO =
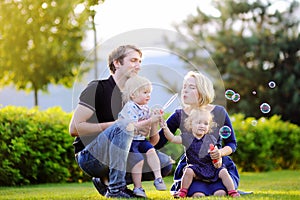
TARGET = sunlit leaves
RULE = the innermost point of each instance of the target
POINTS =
(40, 43)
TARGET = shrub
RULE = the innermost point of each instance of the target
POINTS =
(35, 146)
(266, 144)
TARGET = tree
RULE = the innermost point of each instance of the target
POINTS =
(40, 43)
(92, 12)
(252, 44)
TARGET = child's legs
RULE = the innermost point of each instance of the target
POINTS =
(226, 179)
(187, 178)
(135, 164)
(153, 162)
(136, 173)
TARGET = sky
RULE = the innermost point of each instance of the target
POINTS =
(118, 16)
(115, 17)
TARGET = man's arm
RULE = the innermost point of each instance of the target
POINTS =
(80, 126)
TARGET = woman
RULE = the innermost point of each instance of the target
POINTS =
(198, 92)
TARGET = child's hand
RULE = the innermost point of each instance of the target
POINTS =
(218, 164)
(156, 116)
(162, 123)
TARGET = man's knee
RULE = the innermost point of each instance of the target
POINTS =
(166, 163)
(165, 171)
(164, 159)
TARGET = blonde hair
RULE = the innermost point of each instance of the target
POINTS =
(134, 85)
(204, 87)
(194, 115)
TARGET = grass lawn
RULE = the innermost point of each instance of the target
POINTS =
(268, 185)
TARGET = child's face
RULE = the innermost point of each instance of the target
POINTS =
(142, 97)
(200, 126)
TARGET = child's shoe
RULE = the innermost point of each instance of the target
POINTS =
(182, 193)
(139, 192)
(233, 193)
(159, 184)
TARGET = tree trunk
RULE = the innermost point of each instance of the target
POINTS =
(36, 97)
(95, 46)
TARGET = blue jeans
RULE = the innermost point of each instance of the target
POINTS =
(108, 152)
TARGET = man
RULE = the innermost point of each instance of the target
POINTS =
(101, 148)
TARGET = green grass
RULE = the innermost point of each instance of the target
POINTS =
(268, 185)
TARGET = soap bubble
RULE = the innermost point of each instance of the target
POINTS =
(253, 122)
(229, 94)
(265, 108)
(225, 132)
(272, 84)
(236, 97)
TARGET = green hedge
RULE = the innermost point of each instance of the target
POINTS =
(266, 144)
(37, 148)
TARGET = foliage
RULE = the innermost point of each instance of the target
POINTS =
(252, 44)
(266, 144)
(40, 43)
(36, 147)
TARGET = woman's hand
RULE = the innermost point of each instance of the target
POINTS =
(216, 154)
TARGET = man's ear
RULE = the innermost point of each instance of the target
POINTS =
(116, 63)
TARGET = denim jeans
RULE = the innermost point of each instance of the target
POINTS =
(165, 163)
(108, 150)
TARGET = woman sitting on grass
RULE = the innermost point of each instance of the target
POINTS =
(198, 92)
(198, 144)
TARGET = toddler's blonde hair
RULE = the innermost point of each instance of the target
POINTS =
(134, 85)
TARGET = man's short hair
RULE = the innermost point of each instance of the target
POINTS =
(119, 54)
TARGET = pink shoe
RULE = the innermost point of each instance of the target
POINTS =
(233, 193)
(182, 193)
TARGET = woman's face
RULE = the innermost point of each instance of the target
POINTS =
(189, 92)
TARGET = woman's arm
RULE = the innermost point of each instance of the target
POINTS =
(216, 154)
(230, 143)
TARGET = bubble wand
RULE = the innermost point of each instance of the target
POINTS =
(168, 103)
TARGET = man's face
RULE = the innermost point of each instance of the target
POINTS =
(131, 64)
